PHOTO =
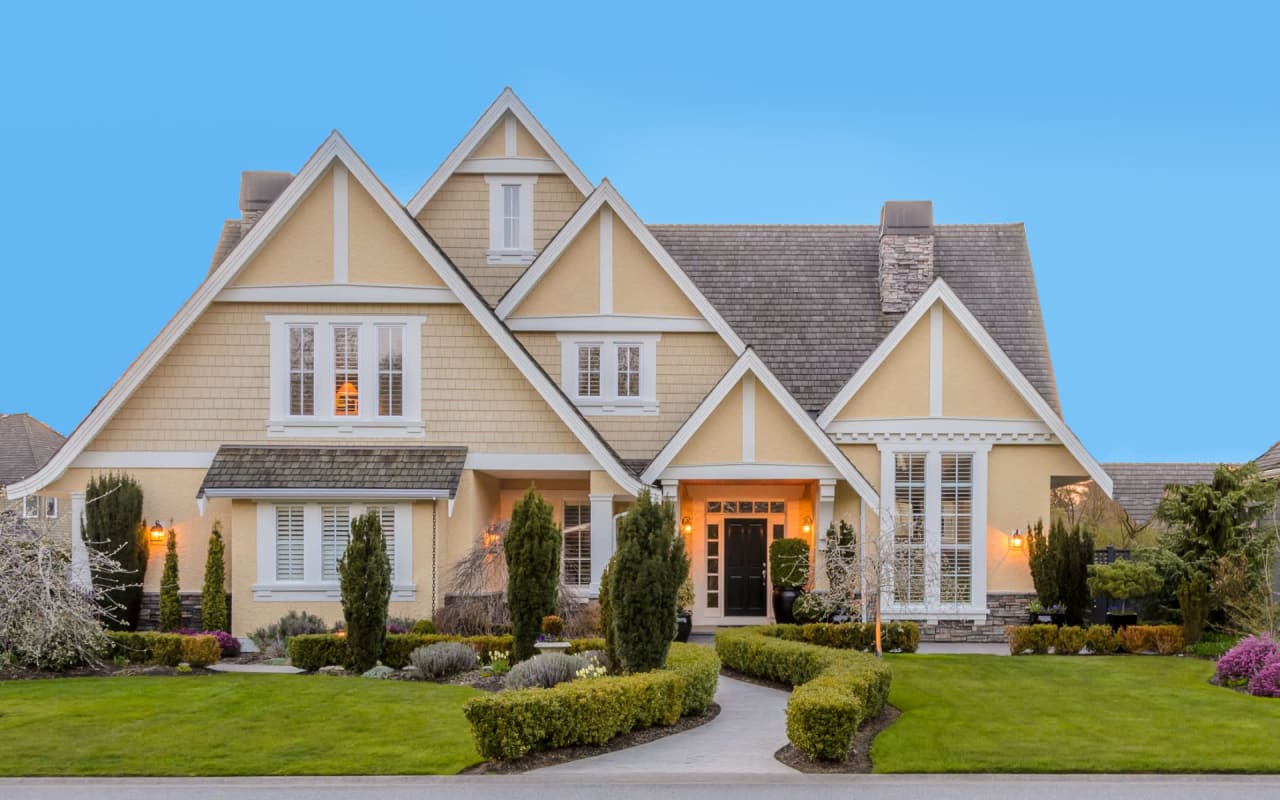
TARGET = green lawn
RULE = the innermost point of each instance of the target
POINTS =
(232, 725)
(1072, 714)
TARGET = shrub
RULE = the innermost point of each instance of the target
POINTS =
(201, 651)
(228, 644)
(607, 628)
(114, 528)
(402, 624)
(532, 549)
(544, 671)
(311, 651)
(1059, 567)
(583, 621)
(900, 636)
(1137, 639)
(1101, 640)
(835, 690)
(552, 625)
(166, 649)
(1034, 639)
(423, 627)
(1242, 662)
(583, 646)
(1168, 639)
(472, 616)
(443, 659)
(1266, 683)
(788, 563)
(1124, 580)
(273, 640)
(170, 605)
(700, 667)
(213, 596)
(651, 565)
(1212, 645)
(809, 608)
(1070, 640)
(1193, 600)
(364, 572)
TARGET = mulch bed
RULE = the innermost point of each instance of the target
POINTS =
(549, 758)
(859, 758)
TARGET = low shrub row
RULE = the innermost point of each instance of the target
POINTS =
(511, 724)
(895, 637)
(165, 649)
(835, 690)
(1068, 640)
(312, 651)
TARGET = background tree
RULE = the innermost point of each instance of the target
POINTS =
(114, 528)
(213, 598)
(1073, 553)
(170, 604)
(649, 567)
(1044, 566)
(364, 573)
(532, 548)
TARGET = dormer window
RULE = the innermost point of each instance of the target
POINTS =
(511, 218)
(613, 374)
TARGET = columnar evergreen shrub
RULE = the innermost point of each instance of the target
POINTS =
(364, 573)
(1193, 600)
(1060, 567)
(532, 548)
(650, 566)
(607, 628)
(170, 605)
(1044, 569)
(114, 528)
(213, 598)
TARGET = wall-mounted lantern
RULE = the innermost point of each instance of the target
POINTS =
(686, 526)
(156, 533)
(1017, 540)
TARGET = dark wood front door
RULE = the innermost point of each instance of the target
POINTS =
(745, 544)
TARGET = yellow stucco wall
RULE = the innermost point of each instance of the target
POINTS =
(719, 439)
(900, 386)
(971, 384)
(300, 250)
(1018, 495)
(572, 285)
(778, 439)
(640, 285)
(377, 251)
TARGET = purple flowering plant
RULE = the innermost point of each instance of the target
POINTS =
(1241, 663)
(1267, 682)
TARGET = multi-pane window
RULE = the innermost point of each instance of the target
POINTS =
(588, 370)
(909, 528)
(956, 556)
(290, 543)
(390, 370)
(577, 544)
(31, 507)
(628, 370)
(611, 374)
(511, 217)
(335, 533)
(387, 519)
(346, 371)
(302, 370)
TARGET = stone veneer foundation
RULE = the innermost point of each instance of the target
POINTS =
(1004, 608)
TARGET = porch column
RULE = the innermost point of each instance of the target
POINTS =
(602, 543)
(826, 509)
(671, 491)
(80, 575)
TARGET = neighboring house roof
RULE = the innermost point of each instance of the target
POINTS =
(1269, 462)
(257, 471)
(26, 445)
(806, 297)
(1138, 488)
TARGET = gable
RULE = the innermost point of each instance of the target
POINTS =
(572, 285)
(972, 386)
(640, 285)
(378, 253)
(300, 249)
(899, 386)
(719, 439)
(779, 439)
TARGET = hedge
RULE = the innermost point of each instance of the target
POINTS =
(165, 649)
(901, 637)
(312, 651)
(511, 724)
(835, 690)
(1165, 640)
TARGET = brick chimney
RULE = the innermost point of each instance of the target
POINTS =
(258, 190)
(906, 253)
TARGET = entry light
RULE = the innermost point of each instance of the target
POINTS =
(156, 532)
(1016, 540)
(806, 525)
(686, 526)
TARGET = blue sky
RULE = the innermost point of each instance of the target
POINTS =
(1139, 146)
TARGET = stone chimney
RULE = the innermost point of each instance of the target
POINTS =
(258, 190)
(906, 253)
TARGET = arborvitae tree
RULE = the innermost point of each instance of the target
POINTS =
(364, 573)
(114, 528)
(1072, 550)
(213, 599)
(606, 614)
(532, 549)
(651, 563)
(170, 605)
(1044, 568)
(1193, 600)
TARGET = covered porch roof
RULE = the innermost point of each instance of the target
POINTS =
(255, 471)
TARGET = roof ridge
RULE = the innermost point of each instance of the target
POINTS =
(828, 225)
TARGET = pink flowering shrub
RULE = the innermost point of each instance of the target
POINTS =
(1241, 663)
(1267, 682)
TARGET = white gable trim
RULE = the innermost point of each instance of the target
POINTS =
(606, 195)
(941, 292)
(334, 147)
(750, 364)
(507, 103)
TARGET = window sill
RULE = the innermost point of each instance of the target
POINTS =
(319, 592)
(617, 409)
(509, 256)
(335, 429)
(974, 614)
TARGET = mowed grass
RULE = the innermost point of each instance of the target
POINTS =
(232, 725)
(1072, 714)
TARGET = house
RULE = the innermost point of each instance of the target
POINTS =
(514, 322)
(1138, 488)
(26, 445)
(1269, 462)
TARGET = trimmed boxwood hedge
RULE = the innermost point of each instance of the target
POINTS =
(165, 649)
(312, 651)
(895, 637)
(835, 690)
(511, 724)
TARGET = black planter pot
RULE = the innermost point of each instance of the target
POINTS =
(1118, 621)
(783, 599)
(684, 626)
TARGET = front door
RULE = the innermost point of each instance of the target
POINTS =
(745, 553)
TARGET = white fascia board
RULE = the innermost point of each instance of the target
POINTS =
(610, 323)
(331, 494)
(507, 102)
(508, 166)
(750, 472)
(338, 293)
(556, 462)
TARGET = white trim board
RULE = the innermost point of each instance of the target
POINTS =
(554, 462)
(941, 292)
(611, 323)
(337, 293)
(506, 103)
(749, 472)
(337, 495)
(951, 429)
(143, 459)
(605, 195)
(334, 147)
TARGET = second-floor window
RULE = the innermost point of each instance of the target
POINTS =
(510, 218)
(611, 374)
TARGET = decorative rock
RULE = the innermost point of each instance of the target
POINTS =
(332, 671)
(380, 672)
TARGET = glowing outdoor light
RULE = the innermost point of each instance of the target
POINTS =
(156, 532)
(1016, 539)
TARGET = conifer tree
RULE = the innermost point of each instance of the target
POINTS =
(532, 550)
(170, 605)
(649, 567)
(114, 528)
(213, 598)
(364, 573)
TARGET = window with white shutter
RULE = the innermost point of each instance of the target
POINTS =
(290, 543)
(909, 528)
(335, 533)
(387, 518)
(957, 529)
(577, 544)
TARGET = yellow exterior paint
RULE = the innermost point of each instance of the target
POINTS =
(494, 144)
(378, 252)
(526, 145)
(719, 439)
(971, 384)
(866, 459)
(572, 285)
(779, 440)
(300, 250)
(601, 483)
(899, 387)
(640, 285)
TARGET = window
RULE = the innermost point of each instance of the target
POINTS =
(335, 533)
(577, 544)
(31, 507)
(957, 529)
(300, 545)
(713, 566)
(290, 540)
(51, 507)
(335, 376)
(387, 519)
(510, 218)
(909, 524)
(607, 375)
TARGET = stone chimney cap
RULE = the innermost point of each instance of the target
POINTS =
(258, 190)
(907, 217)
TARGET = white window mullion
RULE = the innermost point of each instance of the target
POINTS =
(609, 372)
(932, 527)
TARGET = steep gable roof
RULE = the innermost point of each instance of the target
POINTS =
(1139, 488)
(26, 445)
(1269, 462)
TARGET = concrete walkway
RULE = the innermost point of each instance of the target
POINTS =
(752, 725)
(278, 669)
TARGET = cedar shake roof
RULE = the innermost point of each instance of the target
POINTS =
(354, 469)
(1269, 462)
(1138, 488)
(806, 297)
(26, 444)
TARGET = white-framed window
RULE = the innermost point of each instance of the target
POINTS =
(334, 376)
(301, 542)
(909, 528)
(31, 507)
(51, 507)
(576, 521)
(611, 374)
(510, 218)
(956, 554)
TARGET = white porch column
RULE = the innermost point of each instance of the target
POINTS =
(826, 509)
(80, 575)
(601, 536)
(671, 491)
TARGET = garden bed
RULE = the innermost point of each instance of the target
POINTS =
(859, 759)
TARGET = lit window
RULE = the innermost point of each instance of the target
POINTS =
(346, 371)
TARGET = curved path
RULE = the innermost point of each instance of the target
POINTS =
(750, 728)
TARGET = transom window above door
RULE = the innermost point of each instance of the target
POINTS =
(349, 375)
(614, 374)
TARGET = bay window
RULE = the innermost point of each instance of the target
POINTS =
(611, 374)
